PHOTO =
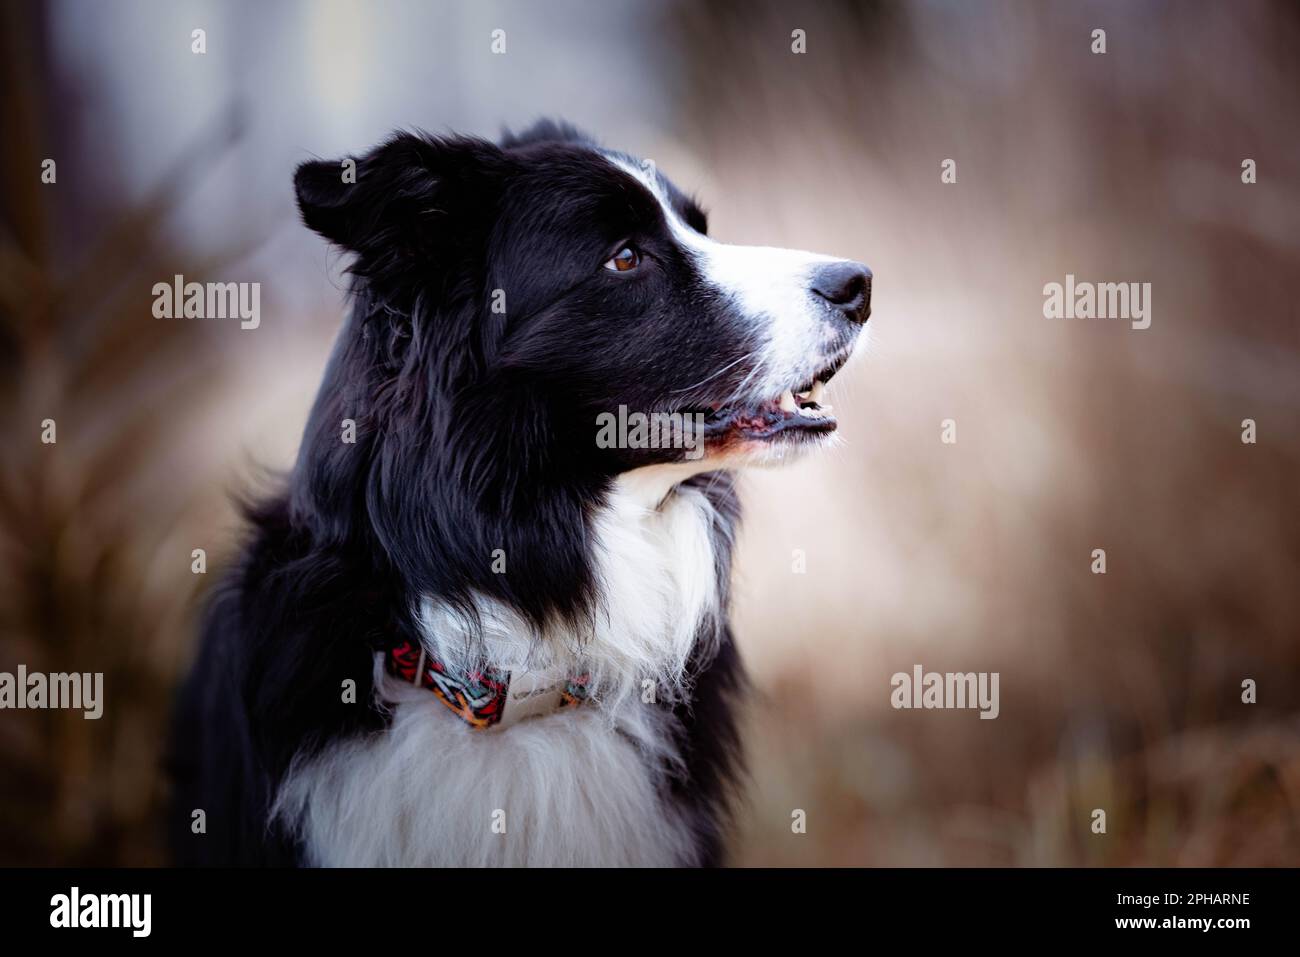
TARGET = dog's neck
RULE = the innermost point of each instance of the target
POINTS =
(650, 487)
(655, 568)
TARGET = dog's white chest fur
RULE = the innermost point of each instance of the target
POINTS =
(578, 787)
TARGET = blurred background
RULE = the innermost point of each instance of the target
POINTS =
(1119, 691)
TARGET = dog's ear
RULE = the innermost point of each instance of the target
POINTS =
(399, 194)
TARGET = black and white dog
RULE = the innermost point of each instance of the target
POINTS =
(468, 633)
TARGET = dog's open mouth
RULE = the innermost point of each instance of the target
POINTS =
(799, 410)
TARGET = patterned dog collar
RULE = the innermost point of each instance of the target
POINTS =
(485, 697)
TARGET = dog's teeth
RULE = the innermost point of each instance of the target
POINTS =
(815, 393)
(787, 402)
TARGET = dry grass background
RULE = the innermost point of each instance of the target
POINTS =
(1118, 691)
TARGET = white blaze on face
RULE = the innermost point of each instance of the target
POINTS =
(772, 286)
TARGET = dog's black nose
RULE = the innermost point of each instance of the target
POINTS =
(845, 285)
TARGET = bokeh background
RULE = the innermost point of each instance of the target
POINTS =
(1120, 691)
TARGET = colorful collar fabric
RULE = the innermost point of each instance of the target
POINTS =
(485, 697)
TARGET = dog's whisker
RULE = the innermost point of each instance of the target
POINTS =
(714, 375)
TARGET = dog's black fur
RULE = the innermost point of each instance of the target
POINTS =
(473, 432)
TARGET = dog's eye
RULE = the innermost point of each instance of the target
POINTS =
(623, 260)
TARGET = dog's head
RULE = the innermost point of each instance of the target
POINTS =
(535, 318)
(582, 283)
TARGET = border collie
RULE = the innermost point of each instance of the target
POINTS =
(467, 633)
